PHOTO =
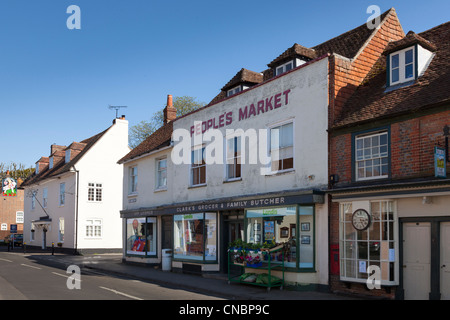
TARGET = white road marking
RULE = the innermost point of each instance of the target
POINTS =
(121, 293)
(5, 260)
(26, 265)
(65, 276)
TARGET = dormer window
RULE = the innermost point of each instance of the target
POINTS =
(284, 68)
(67, 155)
(402, 66)
(37, 168)
(51, 163)
(234, 91)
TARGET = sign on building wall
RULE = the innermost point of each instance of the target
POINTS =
(9, 187)
(439, 163)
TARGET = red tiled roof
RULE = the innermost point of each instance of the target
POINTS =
(372, 101)
(159, 139)
(60, 166)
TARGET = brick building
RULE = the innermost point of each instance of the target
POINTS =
(11, 212)
(389, 207)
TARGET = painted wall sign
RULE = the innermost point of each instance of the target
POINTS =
(9, 187)
(439, 163)
(254, 109)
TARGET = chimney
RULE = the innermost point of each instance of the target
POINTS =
(170, 113)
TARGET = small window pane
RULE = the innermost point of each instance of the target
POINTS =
(409, 71)
(409, 56)
(395, 75)
(395, 61)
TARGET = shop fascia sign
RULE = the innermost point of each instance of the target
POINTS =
(257, 108)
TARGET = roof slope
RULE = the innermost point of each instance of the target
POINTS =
(61, 166)
(372, 101)
(159, 139)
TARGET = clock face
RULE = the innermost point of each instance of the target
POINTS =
(361, 219)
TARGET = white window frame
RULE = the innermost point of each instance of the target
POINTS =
(33, 202)
(361, 157)
(4, 227)
(234, 159)
(61, 230)
(194, 166)
(346, 210)
(45, 197)
(95, 190)
(159, 172)
(50, 164)
(275, 126)
(62, 194)
(402, 66)
(234, 90)
(133, 180)
(93, 228)
(284, 68)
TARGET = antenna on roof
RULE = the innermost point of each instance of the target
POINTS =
(117, 109)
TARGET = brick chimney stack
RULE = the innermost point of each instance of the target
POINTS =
(170, 113)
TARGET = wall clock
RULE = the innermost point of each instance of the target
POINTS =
(360, 219)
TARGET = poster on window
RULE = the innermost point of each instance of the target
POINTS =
(136, 236)
(269, 231)
(9, 187)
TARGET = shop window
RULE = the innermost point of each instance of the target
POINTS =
(198, 167)
(282, 147)
(372, 156)
(141, 236)
(373, 246)
(233, 161)
(195, 237)
(291, 226)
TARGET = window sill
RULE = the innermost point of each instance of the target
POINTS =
(133, 194)
(279, 173)
(197, 186)
(232, 180)
(160, 190)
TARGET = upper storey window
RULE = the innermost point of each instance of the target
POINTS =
(234, 91)
(402, 66)
(284, 68)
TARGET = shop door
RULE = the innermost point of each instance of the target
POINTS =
(416, 260)
(445, 261)
(167, 235)
(233, 230)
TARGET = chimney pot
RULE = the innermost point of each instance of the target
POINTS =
(169, 100)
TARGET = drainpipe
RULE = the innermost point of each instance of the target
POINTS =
(76, 209)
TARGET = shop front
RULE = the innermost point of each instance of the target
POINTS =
(203, 231)
(395, 243)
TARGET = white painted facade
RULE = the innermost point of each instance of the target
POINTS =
(99, 166)
(302, 98)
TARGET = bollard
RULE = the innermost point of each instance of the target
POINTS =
(53, 248)
(24, 245)
(8, 246)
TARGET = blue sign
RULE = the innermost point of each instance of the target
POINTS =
(440, 163)
(13, 228)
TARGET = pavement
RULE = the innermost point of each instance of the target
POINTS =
(215, 285)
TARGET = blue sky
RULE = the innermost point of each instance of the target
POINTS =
(56, 84)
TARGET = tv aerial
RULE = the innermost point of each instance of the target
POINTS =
(117, 109)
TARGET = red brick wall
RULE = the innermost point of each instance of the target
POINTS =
(346, 75)
(8, 208)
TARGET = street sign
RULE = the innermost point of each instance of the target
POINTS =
(13, 228)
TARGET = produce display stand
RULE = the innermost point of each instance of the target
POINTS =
(267, 263)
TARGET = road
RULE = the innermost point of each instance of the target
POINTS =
(24, 279)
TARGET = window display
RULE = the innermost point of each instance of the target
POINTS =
(373, 246)
(195, 236)
(141, 236)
